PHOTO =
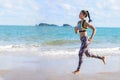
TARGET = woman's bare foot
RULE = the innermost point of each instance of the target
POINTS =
(76, 72)
(103, 59)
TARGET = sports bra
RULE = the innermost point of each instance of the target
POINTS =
(81, 27)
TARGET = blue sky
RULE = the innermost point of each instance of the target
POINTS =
(105, 13)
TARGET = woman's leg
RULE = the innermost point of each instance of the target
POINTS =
(80, 61)
(82, 50)
(88, 54)
(80, 58)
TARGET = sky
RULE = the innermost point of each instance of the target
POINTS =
(104, 13)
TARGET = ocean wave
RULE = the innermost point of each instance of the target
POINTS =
(46, 51)
(19, 47)
(97, 51)
(61, 42)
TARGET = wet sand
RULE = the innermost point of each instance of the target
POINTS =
(23, 67)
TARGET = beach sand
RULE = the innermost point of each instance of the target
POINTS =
(33, 67)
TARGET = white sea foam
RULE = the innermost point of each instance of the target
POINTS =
(37, 49)
(71, 52)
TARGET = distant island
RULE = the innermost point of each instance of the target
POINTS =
(66, 25)
(46, 24)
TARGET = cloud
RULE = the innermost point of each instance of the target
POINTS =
(8, 5)
(115, 4)
(57, 11)
(22, 10)
(66, 6)
(108, 4)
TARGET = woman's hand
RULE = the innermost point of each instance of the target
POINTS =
(90, 39)
(76, 30)
(93, 31)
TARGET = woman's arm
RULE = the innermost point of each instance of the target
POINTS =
(93, 30)
(76, 29)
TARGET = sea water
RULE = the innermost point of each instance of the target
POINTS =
(54, 40)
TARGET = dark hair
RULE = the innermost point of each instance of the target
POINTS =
(86, 13)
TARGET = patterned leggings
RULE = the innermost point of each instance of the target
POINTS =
(84, 49)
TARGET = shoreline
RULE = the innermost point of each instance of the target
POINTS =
(57, 68)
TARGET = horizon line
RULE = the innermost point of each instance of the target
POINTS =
(58, 25)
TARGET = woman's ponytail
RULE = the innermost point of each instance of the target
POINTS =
(89, 17)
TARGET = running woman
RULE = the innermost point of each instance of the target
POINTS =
(82, 27)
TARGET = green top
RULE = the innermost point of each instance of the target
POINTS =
(81, 26)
